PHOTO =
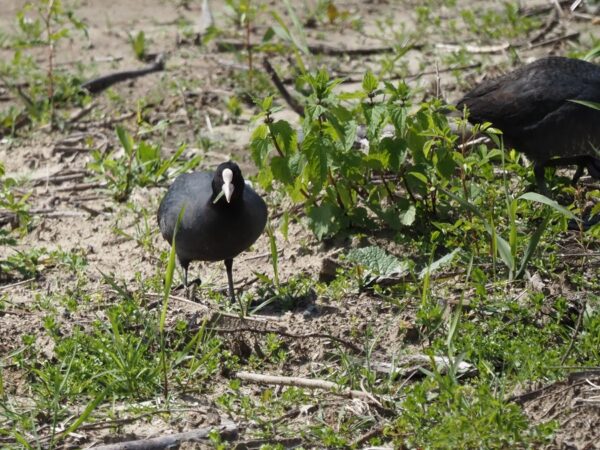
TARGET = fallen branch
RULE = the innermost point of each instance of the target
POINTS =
(564, 37)
(551, 23)
(99, 84)
(227, 431)
(82, 112)
(81, 187)
(274, 442)
(18, 283)
(291, 101)
(309, 383)
(228, 45)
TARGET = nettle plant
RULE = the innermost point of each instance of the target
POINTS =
(408, 170)
(399, 176)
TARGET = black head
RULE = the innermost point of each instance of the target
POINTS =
(228, 180)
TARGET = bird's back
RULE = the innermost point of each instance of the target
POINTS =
(532, 106)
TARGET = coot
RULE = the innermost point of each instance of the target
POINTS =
(223, 217)
(533, 108)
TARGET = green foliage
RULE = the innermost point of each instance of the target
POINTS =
(140, 164)
(412, 173)
(30, 263)
(39, 89)
(441, 413)
(374, 263)
(13, 206)
(138, 44)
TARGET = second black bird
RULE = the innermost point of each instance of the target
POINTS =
(534, 109)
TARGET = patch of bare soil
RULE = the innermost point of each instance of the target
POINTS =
(574, 403)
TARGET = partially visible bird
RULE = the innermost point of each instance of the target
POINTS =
(223, 217)
(533, 108)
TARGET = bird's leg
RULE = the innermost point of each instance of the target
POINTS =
(593, 167)
(228, 267)
(539, 170)
(577, 174)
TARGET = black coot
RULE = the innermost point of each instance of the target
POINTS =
(223, 217)
(532, 107)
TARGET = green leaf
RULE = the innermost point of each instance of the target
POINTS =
(125, 139)
(377, 262)
(407, 217)
(504, 251)
(281, 171)
(316, 146)
(284, 134)
(260, 145)
(86, 412)
(322, 220)
(593, 53)
(267, 103)
(169, 273)
(532, 245)
(369, 82)
(539, 198)
(593, 105)
(442, 262)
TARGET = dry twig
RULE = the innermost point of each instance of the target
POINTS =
(228, 431)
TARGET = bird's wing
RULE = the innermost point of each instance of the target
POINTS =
(517, 102)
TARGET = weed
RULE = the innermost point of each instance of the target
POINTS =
(45, 23)
(138, 44)
(141, 164)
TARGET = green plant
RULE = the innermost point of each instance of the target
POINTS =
(13, 205)
(41, 23)
(141, 164)
(138, 44)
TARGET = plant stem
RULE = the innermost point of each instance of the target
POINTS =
(249, 49)
(47, 22)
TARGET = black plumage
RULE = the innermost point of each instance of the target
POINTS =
(223, 217)
(533, 108)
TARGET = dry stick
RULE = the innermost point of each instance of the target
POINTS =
(564, 37)
(18, 283)
(258, 443)
(575, 332)
(285, 333)
(540, 9)
(227, 431)
(58, 179)
(550, 24)
(81, 187)
(225, 45)
(291, 101)
(82, 112)
(309, 383)
(47, 21)
(369, 435)
(60, 149)
(505, 46)
(475, 48)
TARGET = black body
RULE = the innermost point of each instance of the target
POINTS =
(533, 108)
(209, 230)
